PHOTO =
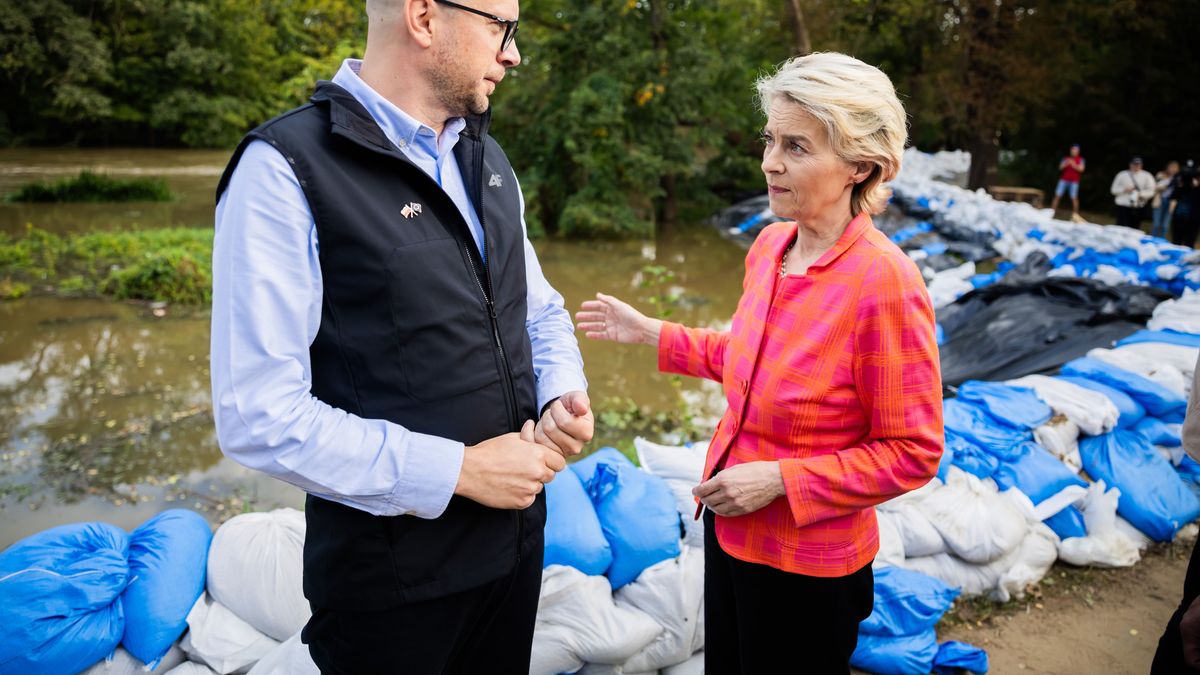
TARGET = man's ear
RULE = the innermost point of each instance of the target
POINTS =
(418, 21)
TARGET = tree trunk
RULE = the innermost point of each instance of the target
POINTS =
(799, 28)
(985, 151)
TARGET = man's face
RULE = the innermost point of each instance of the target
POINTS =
(1135, 166)
(1074, 150)
(469, 62)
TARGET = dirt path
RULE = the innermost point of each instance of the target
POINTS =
(1079, 621)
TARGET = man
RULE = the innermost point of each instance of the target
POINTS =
(1071, 169)
(1132, 190)
(383, 337)
(1179, 647)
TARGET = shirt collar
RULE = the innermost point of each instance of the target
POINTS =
(402, 129)
(858, 226)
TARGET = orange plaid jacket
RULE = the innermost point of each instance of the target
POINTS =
(834, 374)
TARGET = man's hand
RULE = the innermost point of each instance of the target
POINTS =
(741, 489)
(567, 424)
(508, 472)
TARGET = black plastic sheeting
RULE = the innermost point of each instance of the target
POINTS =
(1031, 323)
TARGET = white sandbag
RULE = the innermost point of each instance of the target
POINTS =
(976, 522)
(289, 658)
(948, 286)
(671, 593)
(1104, 545)
(918, 536)
(255, 568)
(191, 668)
(221, 640)
(1181, 357)
(681, 467)
(693, 666)
(1093, 412)
(1181, 315)
(1049, 507)
(891, 546)
(1061, 437)
(1152, 369)
(1000, 579)
(1134, 535)
(912, 496)
(577, 623)
(612, 669)
(1035, 556)
(124, 663)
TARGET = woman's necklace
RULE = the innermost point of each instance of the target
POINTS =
(783, 263)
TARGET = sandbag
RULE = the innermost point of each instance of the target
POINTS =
(1035, 472)
(191, 668)
(124, 663)
(1067, 523)
(917, 534)
(577, 623)
(1155, 398)
(1159, 432)
(1017, 407)
(60, 595)
(221, 640)
(969, 457)
(1000, 579)
(954, 657)
(1153, 497)
(1090, 410)
(681, 467)
(1180, 356)
(976, 522)
(289, 658)
(1152, 369)
(891, 546)
(672, 593)
(908, 655)
(573, 534)
(167, 563)
(1060, 437)
(907, 603)
(255, 568)
(1105, 545)
(1129, 411)
(637, 513)
(977, 426)
(693, 666)
(1163, 336)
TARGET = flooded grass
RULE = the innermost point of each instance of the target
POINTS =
(168, 265)
(94, 187)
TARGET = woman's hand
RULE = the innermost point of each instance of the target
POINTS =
(608, 318)
(741, 489)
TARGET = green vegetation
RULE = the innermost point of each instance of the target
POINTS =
(170, 265)
(93, 187)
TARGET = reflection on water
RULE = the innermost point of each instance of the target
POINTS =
(105, 411)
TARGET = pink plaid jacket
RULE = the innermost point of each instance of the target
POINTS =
(835, 374)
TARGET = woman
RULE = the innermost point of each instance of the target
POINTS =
(831, 374)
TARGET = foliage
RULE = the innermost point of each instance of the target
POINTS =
(170, 265)
(92, 187)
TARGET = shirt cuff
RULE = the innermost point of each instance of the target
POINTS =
(795, 488)
(667, 337)
(432, 465)
(553, 386)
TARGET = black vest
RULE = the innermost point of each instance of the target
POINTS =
(416, 330)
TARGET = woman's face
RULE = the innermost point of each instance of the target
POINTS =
(805, 179)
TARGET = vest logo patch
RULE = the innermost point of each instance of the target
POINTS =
(410, 210)
(495, 180)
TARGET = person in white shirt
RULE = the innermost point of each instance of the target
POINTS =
(1132, 190)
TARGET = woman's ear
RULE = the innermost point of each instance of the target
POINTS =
(862, 171)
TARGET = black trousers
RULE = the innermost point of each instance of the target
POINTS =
(1129, 216)
(488, 629)
(1185, 230)
(1168, 660)
(758, 619)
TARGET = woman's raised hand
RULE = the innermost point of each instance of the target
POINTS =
(608, 318)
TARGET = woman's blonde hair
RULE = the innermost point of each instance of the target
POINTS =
(858, 106)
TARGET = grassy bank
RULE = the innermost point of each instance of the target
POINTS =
(93, 187)
(172, 265)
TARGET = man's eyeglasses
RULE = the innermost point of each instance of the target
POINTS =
(510, 25)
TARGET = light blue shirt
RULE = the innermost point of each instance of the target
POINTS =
(267, 294)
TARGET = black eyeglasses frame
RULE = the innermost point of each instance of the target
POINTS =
(510, 25)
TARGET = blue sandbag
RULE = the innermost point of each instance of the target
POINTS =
(168, 558)
(974, 423)
(907, 603)
(946, 461)
(1153, 497)
(909, 655)
(1131, 411)
(970, 457)
(1018, 407)
(1165, 336)
(573, 533)
(1036, 472)
(954, 656)
(1155, 398)
(60, 598)
(1159, 432)
(636, 510)
(1067, 523)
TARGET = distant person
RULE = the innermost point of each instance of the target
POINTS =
(1185, 219)
(1179, 647)
(1161, 209)
(1132, 191)
(1071, 169)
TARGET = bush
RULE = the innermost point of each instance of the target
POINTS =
(93, 187)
